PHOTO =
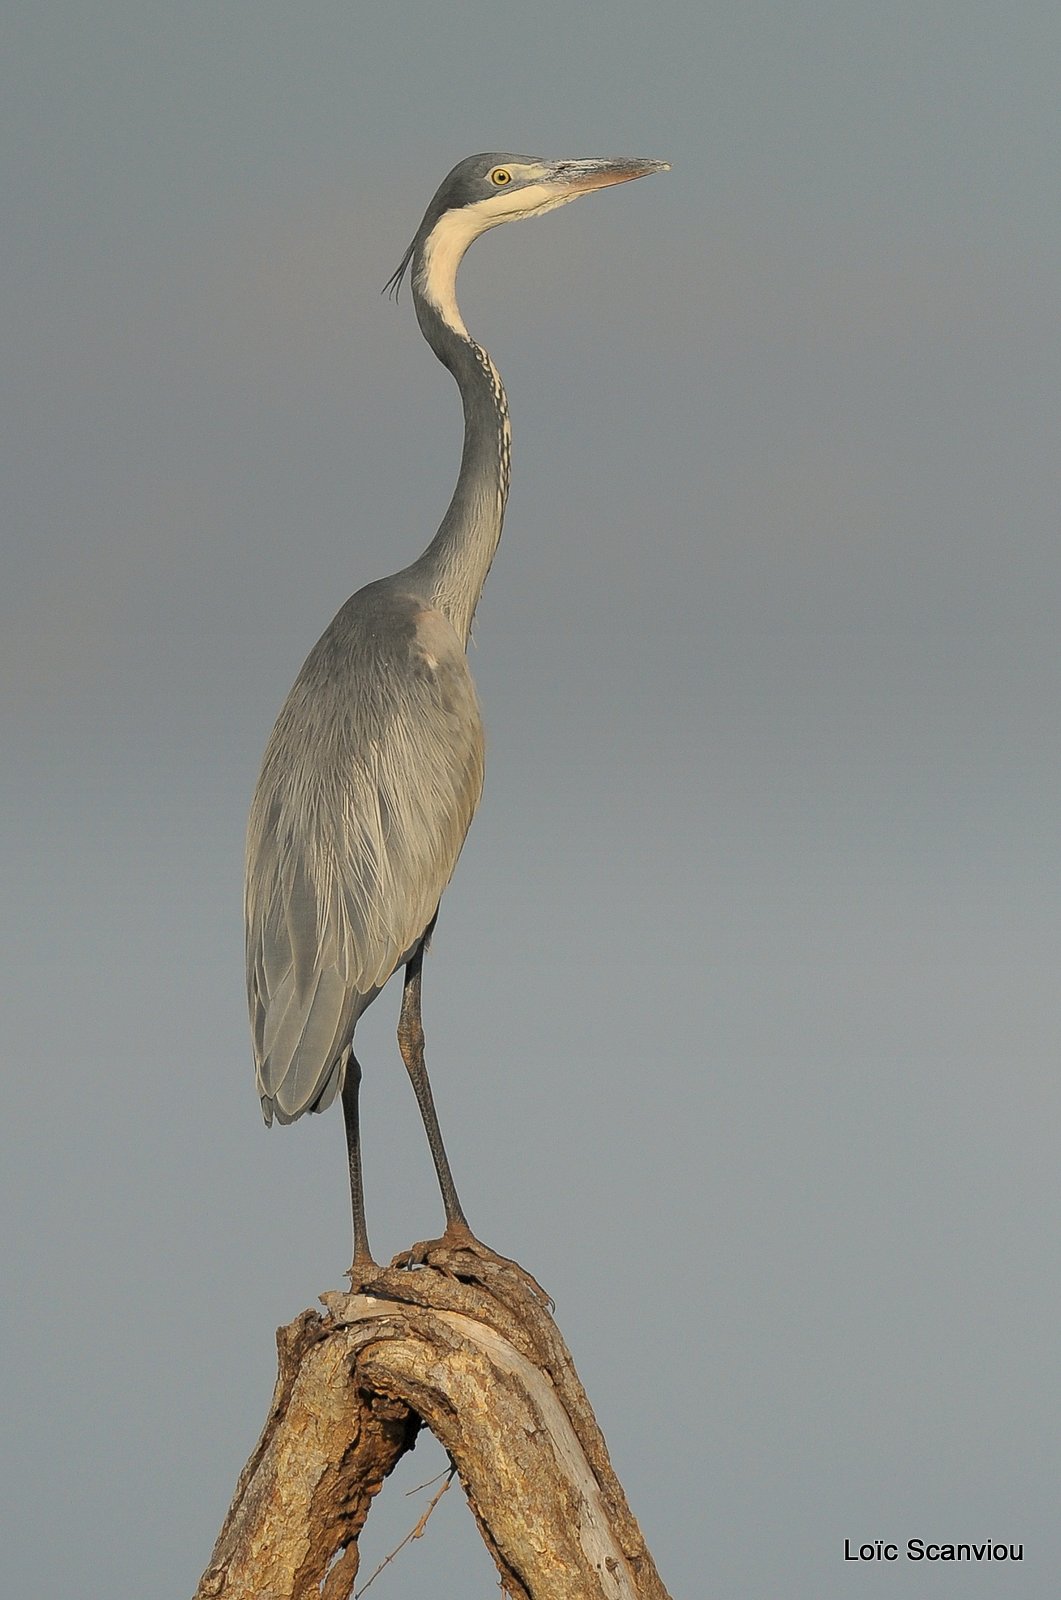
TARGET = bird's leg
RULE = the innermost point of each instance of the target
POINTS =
(411, 1045)
(363, 1266)
(458, 1236)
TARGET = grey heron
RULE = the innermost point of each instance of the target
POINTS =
(374, 769)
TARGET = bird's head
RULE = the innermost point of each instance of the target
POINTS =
(485, 190)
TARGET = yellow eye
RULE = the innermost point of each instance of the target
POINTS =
(500, 176)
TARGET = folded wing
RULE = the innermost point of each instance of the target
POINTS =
(370, 780)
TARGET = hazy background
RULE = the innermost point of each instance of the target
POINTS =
(743, 1008)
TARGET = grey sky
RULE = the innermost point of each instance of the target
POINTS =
(742, 1013)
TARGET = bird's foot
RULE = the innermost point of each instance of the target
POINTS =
(363, 1273)
(456, 1254)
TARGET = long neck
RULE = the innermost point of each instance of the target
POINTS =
(454, 566)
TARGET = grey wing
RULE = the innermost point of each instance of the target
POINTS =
(368, 786)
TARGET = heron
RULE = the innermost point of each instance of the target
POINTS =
(374, 769)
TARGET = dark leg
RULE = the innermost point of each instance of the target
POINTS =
(458, 1244)
(362, 1254)
(411, 1044)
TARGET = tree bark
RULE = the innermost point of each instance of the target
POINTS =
(467, 1347)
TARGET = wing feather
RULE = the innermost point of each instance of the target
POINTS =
(369, 783)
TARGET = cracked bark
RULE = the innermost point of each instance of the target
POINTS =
(466, 1348)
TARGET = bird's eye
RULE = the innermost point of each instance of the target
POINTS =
(501, 176)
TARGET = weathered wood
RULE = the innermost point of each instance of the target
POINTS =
(471, 1351)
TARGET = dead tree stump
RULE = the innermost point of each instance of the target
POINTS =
(467, 1348)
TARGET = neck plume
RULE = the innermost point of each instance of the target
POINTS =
(454, 566)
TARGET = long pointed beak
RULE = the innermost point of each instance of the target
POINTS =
(576, 177)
